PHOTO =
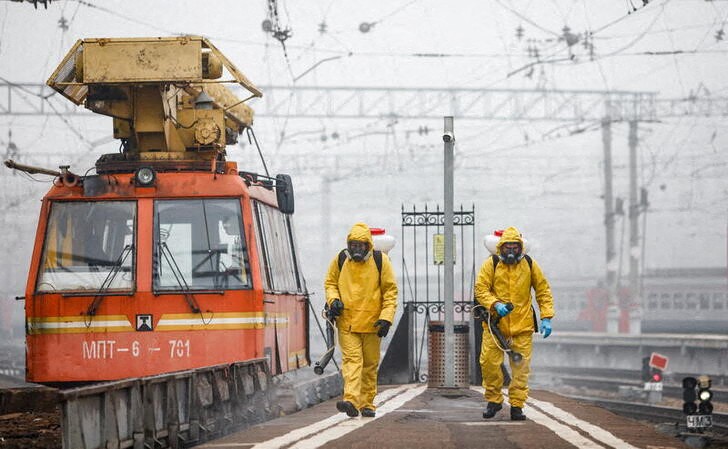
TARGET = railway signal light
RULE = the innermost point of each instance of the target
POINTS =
(705, 395)
(650, 372)
(689, 395)
(656, 375)
(699, 417)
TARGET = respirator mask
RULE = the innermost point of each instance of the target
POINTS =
(357, 250)
(510, 253)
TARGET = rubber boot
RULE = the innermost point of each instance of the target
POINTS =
(492, 409)
(348, 408)
(517, 414)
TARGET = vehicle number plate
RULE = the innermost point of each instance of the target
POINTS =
(700, 421)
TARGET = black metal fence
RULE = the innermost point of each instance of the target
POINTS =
(422, 275)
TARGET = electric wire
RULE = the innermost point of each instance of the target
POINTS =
(526, 19)
(127, 18)
(619, 19)
(394, 12)
(674, 59)
(598, 61)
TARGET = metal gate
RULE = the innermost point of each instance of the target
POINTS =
(423, 278)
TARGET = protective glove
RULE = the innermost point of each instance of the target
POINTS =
(336, 307)
(502, 309)
(546, 327)
(383, 326)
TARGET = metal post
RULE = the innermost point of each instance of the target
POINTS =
(611, 280)
(449, 263)
(635, 310)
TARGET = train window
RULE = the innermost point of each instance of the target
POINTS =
(199, 245)
(691, 301)
(665, 301)
(652, 301)
(275, 245)
(719, 301)
(678, 301)
(704, 301)
(88, 246)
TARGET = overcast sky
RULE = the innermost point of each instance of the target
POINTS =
(541, 177)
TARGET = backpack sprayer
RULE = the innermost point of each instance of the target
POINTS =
(330, 318)
(500, 341)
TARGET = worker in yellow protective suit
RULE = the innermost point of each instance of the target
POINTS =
(507, 278)
(361, 291)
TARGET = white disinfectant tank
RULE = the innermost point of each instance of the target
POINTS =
(491, 242)
(382, 241)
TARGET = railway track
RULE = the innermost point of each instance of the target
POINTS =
(612, 380)
(719, 381)
(668, 420)
(653, 413)
(607, 388)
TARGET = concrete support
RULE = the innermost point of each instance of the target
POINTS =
(611, 262)
(704, 354)
(635, 308)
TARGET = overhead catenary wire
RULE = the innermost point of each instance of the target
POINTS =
(526, 19)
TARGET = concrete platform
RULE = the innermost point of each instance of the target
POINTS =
(412, 416)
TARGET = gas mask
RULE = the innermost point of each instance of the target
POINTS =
(357, 250)
(510, 253)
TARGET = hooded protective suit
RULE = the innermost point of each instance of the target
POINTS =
(511, 283)
(368, 296)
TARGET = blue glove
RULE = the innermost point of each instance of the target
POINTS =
(546, 327)
(502, 309)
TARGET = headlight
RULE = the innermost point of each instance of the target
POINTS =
(145, 177)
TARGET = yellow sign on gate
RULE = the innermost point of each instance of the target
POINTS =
(438, 249)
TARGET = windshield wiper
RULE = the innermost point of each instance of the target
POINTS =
(178, 276)
(109, 279)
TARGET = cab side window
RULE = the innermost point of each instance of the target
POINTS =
(278, 262)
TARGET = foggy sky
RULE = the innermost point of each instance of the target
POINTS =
(537, 176)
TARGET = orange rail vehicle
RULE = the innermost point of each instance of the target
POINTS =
(167, 258)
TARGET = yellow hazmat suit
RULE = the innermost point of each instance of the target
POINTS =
(511, 283)
(368, 296)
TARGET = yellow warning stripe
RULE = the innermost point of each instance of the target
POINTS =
(168, 322)
(211, 321)
(276, 319)
(297, 358)
(79, 324)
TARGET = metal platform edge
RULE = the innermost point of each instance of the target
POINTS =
(186, 408)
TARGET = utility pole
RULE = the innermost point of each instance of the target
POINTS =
(635, 309)
(449, 139)
(611, 280)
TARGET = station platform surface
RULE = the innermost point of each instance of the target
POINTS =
(413, 416)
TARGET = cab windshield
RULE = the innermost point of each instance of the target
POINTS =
(199, 245)
(88, 246)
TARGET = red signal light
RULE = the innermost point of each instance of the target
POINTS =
(656, 377)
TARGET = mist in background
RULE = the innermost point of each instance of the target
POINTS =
(546, 178)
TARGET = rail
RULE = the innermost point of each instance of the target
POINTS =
(659, 415)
